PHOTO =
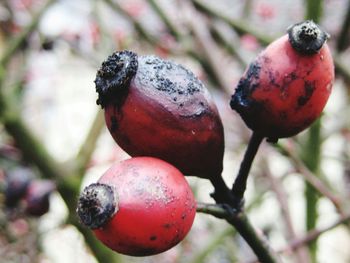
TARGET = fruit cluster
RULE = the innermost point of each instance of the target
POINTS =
(159, 109)
(22, 190)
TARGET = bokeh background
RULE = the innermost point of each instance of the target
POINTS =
(298, 191)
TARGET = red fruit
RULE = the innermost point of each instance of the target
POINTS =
(155, 107)
(287, 86)
(37, 197)
(139, 207)
(17, 181)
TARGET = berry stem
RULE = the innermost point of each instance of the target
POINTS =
(240, 184)
(222, 194)
(241, 222)
(258, 244)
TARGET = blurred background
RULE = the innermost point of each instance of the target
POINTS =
(53, 141)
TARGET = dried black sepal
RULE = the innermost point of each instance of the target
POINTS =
(114, 76)
(307, 37)
(96, 205)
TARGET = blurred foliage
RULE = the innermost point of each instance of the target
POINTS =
(298, 190)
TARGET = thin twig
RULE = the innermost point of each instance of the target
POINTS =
(341, 68)
(247, 9)
(311, 158)
(222, 39)
(233, 206)
(240, 221)
(314, 234)
(314, 10)
(239, 26)
(68, 185)
(88, 146)
(137, 25)
(186, 43)
(230, 208)
(240, 184)
(215, 241)
(210, 49)
(32, 148)
(222, 194)
(165, 18)
(311, 178)
(302, 253)
(212, 209)
(185, 46)
(258, 243)
(343, 36)
(16, 42)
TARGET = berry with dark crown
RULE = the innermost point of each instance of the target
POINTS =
(139, 207)
(284, 90)
(154, 107)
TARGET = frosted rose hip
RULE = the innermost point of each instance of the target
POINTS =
(139, 207)
(158, 108)
(285, 89)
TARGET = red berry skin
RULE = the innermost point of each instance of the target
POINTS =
(17, 182)
(156, 207)
(283, 90)
(167, 113)
(37, 197)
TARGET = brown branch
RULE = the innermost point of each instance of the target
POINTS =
(32, 148)
(314, 234)
(208, 46)
(239, 220)
(16, 42)
(343, 36)
(68, 181)
(185, 43)
(302, 253)
(240, 183)
(216, 240)
(166, 19)
(88, 146)
(137, 25)
(228, 45)
(314, 10)
(35, 152)
(212, 209)
(341, 67)
(311, 178)
(239, 26)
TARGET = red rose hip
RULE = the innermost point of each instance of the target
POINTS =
(155, 107)
(287, 86)
(139, 207)
(37, 197)
(17, 182)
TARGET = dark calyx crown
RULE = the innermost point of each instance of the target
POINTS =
(307, 37)
(114, 76)
(96, 205)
